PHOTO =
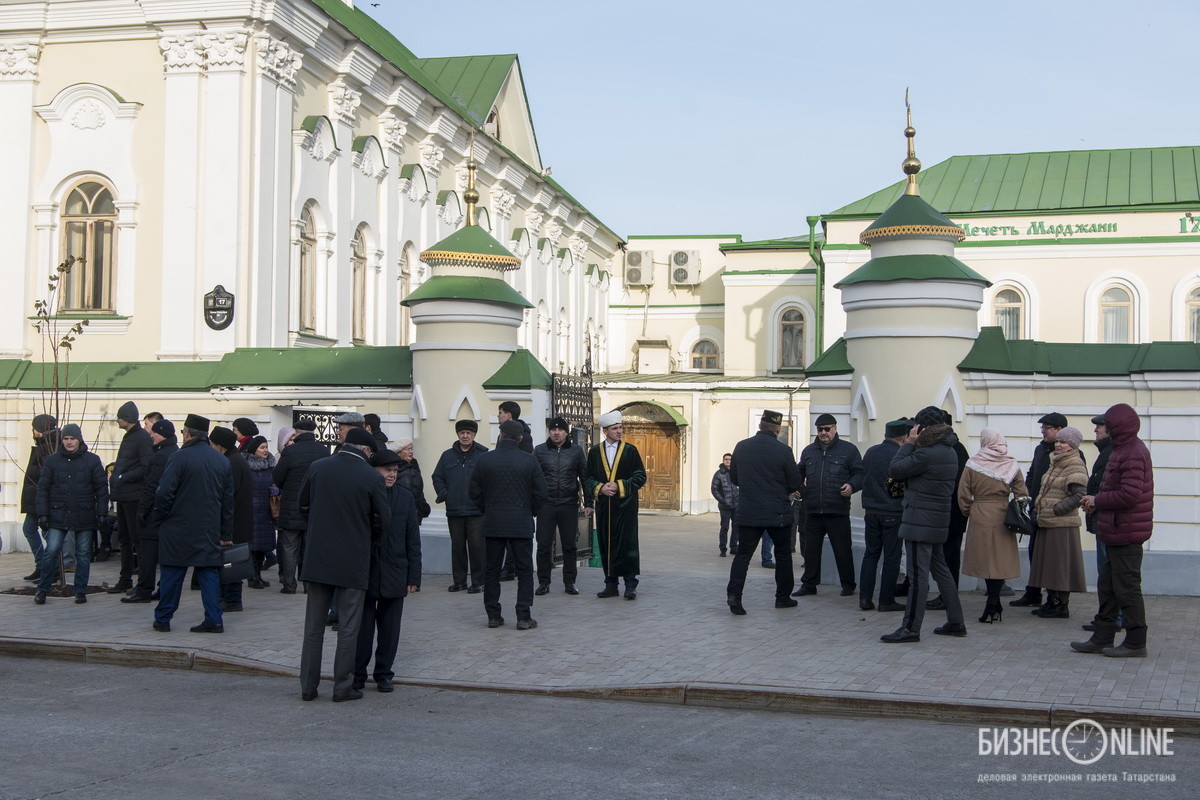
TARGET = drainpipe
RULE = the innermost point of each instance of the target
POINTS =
(819, 260)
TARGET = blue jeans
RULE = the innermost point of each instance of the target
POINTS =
(170, 586)
(83, 559)
(767, 549)
(34, 537)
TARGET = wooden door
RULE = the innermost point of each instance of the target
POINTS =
(659, 448)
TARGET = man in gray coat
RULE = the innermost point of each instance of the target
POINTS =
(345, 503)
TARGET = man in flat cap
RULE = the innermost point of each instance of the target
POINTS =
(452, 485)
(765, 472)
(614, 476)
(507, 485)
(193, 513)
(125, 487)
(564, 464)
(288, 475)
(348, 421)
(832, 470)
(883, 503)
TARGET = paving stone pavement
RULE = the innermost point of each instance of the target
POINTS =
(679, 632)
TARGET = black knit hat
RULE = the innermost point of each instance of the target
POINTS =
(245, 426)
(225, 437)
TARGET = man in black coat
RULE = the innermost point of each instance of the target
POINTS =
(225, 442)
(72, 496)
(452, 486)
(193, 512)
(564, 466)
(289, 475)
(162, 433)
(507, 410)
(764, 470)
(725, 493)
(952, 549)
(507, 485)
(832, 470)
(395, 571)
(129, 470)
(882, 511)
(346, 504)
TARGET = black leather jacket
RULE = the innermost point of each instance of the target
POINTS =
(565, 469)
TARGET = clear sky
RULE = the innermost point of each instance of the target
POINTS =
(727, 117)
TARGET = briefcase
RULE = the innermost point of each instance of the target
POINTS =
(236, 564)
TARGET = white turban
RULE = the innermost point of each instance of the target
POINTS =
(611, 418)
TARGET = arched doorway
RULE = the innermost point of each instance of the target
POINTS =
(654, 430)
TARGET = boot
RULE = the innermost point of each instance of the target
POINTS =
(1032, 597)
(992, 612)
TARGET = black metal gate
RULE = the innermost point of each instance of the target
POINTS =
(571, 394)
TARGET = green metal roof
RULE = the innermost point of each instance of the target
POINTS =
(520, 371)
(834, 361)
(783, 243)
(473, 81)
(470, 239)
(915, 267)
(991, 352)
(1054, 181)
(467, 287)
(910, 210)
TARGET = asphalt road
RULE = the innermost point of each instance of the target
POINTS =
(86, 731)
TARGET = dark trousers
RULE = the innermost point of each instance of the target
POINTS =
(748, 538)
(127, 533)
(523, 561)
(565, 520)
(1120, 590)
(466, 541)
(882, 538)
(289, 556)
(147, 564)
(350, 612)
(381, 615)
(816, 528)
(924, 558)
(952, 550)
(1032, 538)
(172, 586)
(722, 537)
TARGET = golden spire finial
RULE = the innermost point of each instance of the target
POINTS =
(471, 196)
(910, 165)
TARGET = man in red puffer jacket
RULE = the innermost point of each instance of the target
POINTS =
(1124, 509)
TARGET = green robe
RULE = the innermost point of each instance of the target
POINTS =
(617, 516)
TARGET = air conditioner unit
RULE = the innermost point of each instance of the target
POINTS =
(685, 268)
(639, 268)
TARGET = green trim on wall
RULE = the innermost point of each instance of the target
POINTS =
(736, 236)
(769, 272)
(914, 267)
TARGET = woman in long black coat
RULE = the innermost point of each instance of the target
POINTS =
(409, 476)
(257, 453)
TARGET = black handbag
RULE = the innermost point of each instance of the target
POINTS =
(236, 564)
(1016, 518)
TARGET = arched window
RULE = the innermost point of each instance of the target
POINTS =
(1193, 315)
(1008, 311)
(308, 272)
(1116, 316)
(358, 292)
(705, 355)
(791, 339)
(89, 226)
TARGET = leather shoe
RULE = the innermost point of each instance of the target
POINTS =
(866, 605)
(804, 590)
(1091, 626)
(40, 598)
(230, 607)
(735, 605)
(768, 565)
(631, 594)
(951, 629)
(1055, 611)
(353, 694)
(207, 627)
(136, 598)
(893, 606)
(526, 624)
(474, 589)
(36, 575)
(936, 604)
(609, 591)
(495, 622)
(80, 598)
(161, 627)
(155, 595)
(900, 636)
(385, 685)
(849, 590)
(786, 602)
(543, 588)
(456, 587)
(307, 696)
(1089, 646)
(287, 589)
(1027, 599)
(508, 576)
(1124, 651)
(570, 589)
(358, 685)
(121, 586)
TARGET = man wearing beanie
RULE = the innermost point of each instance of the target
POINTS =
(882, 506)
(614, 476)
(564, 465)
(162, 433)
(507, 485)
(129, 471)
(832, 470)
(452, 485)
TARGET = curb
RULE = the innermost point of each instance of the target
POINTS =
(709, 695)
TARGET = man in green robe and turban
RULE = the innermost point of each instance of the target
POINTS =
(614, 476)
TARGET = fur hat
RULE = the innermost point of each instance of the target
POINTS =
(930, 415)
(196, 422)
(245, 426)
(225, 437)
(466, 425)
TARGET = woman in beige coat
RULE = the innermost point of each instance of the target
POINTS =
(991, 549)
(1056, 564)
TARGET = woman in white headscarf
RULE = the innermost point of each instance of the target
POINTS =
(990, 477)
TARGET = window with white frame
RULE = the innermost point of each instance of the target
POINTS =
(89, 232)
(1008, 311)
(1116, 316)
(706, 355)
(308, 272)
(358, 283)
(1193, 315)
(791, 339)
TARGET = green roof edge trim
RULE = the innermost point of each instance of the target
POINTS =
(467, 287)
(834, 361)
(309, 124)
(912, 267)
(521, 371)
(991, 352)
